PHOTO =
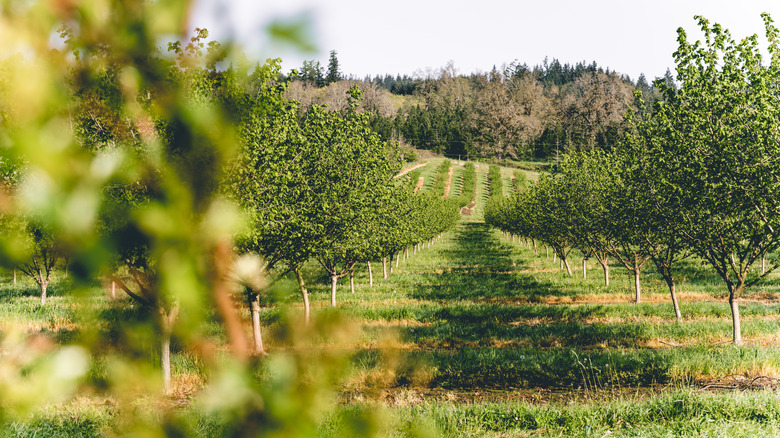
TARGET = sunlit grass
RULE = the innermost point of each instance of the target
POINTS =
(474, 312)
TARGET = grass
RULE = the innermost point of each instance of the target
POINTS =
(475, 336)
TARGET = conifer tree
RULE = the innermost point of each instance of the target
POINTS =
(334, 75)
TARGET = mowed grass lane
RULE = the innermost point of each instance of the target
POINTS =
(476, 310)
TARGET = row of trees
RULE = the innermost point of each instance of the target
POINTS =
(699, 175)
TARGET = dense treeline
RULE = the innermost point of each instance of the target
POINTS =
(699, 175)
(517, 112)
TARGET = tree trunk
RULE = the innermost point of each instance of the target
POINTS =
(637, 286)
(397, 258)
(605, 267)
(256, 325)
(165, 361)
(534, 242)
(305, 294)
(546, 252)
(14, 277)
(384, 268)
(333, 283)
(113, 289)
(737, 328)
(763, 264)
(352, 281)
(44, 285)
(554, 255)
(566, 263)
(167, 319)
(584, 269)
(370, 275)
(672, 291)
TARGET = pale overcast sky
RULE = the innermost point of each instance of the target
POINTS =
(409, 36)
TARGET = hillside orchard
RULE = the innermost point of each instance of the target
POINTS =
(167, 208)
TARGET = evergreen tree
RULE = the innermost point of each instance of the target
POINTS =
(311, 73)
(334, 75)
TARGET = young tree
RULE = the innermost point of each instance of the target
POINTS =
(43, 253)
(713, 149)
(349, 178)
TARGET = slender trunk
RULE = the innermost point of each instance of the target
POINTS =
(352, 281)
(534, 242)
(546, 252)
(256, 325)
(305, 294)
(637, 285)
(554, 254)
(14, 277)
(584, 269)
(605, 267)
(397, 258)
(44, 286)
(673, 293)
(167, 319)
(737, 329)
(370, 275)
(384, 268)
(165, 361)
(568, 268)
(113, 289)
(763, 264)
(333, 283)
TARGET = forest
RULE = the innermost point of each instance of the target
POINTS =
(198, 245)
(517, 112)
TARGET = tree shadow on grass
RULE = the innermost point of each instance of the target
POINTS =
(485, 302)
(488, 332)
(480, 267)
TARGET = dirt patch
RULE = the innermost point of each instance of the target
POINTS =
(449, 183)
(469, 209)
(411, 168)
(397, 323)
(741, 383)
(420, 182)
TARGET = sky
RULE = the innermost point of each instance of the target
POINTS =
(419, 37)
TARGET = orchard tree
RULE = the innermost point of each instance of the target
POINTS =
(590, 185)
(268, 180)
(634, 217)
(349, 177)
(552, 206)
(714, 154)
(43, 252)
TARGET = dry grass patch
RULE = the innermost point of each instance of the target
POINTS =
(396, 323)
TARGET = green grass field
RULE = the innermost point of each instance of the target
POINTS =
(481, 336)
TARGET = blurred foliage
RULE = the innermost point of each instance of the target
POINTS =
(120, 151)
